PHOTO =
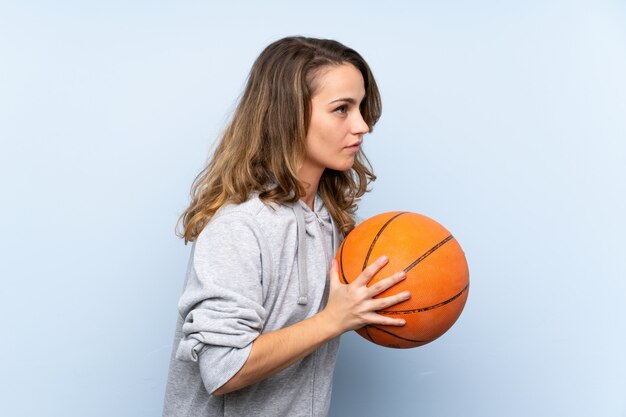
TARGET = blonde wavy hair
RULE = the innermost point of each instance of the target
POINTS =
(264, 144)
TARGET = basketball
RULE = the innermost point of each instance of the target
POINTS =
(436, 275)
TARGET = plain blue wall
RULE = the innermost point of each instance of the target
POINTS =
(505, 121)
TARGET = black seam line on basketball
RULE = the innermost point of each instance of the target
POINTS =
(369, 252)
(419, 310)
(425, 255)
(399, 337)
(368, 333)
(343, 276)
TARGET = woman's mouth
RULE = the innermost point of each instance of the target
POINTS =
(354, 147)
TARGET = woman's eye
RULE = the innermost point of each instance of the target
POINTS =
(342, 109)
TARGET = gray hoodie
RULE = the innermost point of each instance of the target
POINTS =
(253, 269)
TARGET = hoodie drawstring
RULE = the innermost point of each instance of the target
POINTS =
(302, 281)
(303, 289)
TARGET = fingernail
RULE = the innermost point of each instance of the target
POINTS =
(384, 258)
(402, 321)
(402, 274)
(406, 294)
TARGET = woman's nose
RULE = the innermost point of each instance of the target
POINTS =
(360, 127)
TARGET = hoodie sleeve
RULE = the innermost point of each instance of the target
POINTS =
(222, 304)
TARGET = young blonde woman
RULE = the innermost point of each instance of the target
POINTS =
(263, 308)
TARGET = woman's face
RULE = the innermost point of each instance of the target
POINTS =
(337, 127)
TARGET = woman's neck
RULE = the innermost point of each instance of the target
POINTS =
(310, 177)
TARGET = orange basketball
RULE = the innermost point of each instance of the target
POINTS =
(436, 275)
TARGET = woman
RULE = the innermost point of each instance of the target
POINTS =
(260, 315)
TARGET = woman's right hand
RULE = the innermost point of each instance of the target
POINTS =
(352, 306)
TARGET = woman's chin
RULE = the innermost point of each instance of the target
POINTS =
(343, 165)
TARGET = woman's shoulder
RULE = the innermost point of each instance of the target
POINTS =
(252, 214)
(253, 207)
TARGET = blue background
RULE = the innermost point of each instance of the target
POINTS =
(504, 121)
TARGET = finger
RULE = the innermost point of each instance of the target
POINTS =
(369, 272)
(385, 284)
(384, 320)
(384, 303)
(334, 274)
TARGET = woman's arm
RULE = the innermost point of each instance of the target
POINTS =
(349, 307)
